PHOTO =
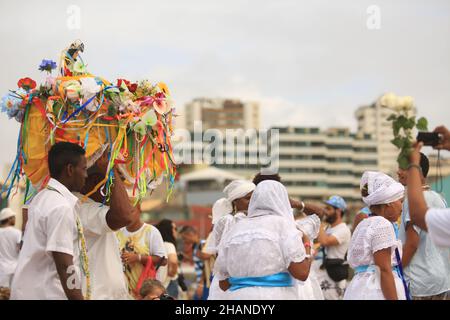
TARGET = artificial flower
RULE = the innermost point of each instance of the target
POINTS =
(47, 65)
(125, 84)
(27, 84)
(89, 89)
(140, 128)
(72, 89)
(49, 82)
(79, 67)
(164, 88)
(150, 118)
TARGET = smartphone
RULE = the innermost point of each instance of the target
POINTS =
(429, 138)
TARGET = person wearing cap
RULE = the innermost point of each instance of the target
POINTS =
(226, 212)
(426, 266)
(9, 246)
(375, 251)
(334, 242)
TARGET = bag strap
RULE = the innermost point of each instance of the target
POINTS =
(400, 266)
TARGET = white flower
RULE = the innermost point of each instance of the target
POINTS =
(89, 89)
(72, 89)
(389, 100)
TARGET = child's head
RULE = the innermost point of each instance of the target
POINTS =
(152, 290)
(4, 293)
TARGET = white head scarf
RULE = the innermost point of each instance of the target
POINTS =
(221, 208)
(382, 189)
(270, 198)
(234, 190)
(238, 189)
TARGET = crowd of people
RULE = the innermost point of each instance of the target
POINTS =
(264, 245)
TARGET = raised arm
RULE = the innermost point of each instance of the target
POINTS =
(121, 211)
(416, 200)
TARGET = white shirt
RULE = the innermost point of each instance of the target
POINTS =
(153, 240)
(428, 272)
(162, 271)
(105, 264)
(343, 235)
(9, 249)
(51, 227)
(438, 223)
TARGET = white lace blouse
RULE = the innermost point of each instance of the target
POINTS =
(371, 235)
(259, 246)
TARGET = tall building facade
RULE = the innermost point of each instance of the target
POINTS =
(313, 163)
(372, 120)
(222, 114)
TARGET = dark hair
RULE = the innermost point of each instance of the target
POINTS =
(424, 164)
(62, 154)
(365, 191)
(186, 229)
(165, 228)
(262, 177)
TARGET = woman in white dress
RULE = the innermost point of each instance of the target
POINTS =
(374, 252)
(225, 213)
(262, 254)
(310, 288)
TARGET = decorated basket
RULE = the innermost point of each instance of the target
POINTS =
(130, 121)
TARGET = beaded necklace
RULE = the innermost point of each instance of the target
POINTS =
(84, 260)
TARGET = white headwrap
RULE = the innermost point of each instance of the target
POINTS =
(221, 208)
(238, 189)
(270, 198)
(234, 190)
(382, 189)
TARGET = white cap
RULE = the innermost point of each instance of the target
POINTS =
(6, 214)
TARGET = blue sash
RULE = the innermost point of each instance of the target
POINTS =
(371, 268)
(282, 279)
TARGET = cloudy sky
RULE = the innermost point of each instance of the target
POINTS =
(308, 63)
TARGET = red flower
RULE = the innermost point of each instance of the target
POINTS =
(119, 82)
(132, 87)
(26, 83)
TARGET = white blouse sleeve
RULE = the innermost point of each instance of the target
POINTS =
(292, 246)
(382, 234)
(220, 267)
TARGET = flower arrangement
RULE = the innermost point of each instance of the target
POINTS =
(403, 124)
(134, 120)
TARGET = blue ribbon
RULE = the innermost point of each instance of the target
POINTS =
(371, 268)
(282, 279)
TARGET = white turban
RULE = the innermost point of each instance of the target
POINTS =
(238, 189)
(221, 208)
(381, 188)
(235, 190)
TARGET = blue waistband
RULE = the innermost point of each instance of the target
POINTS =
(371, 268)
(282, 279)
